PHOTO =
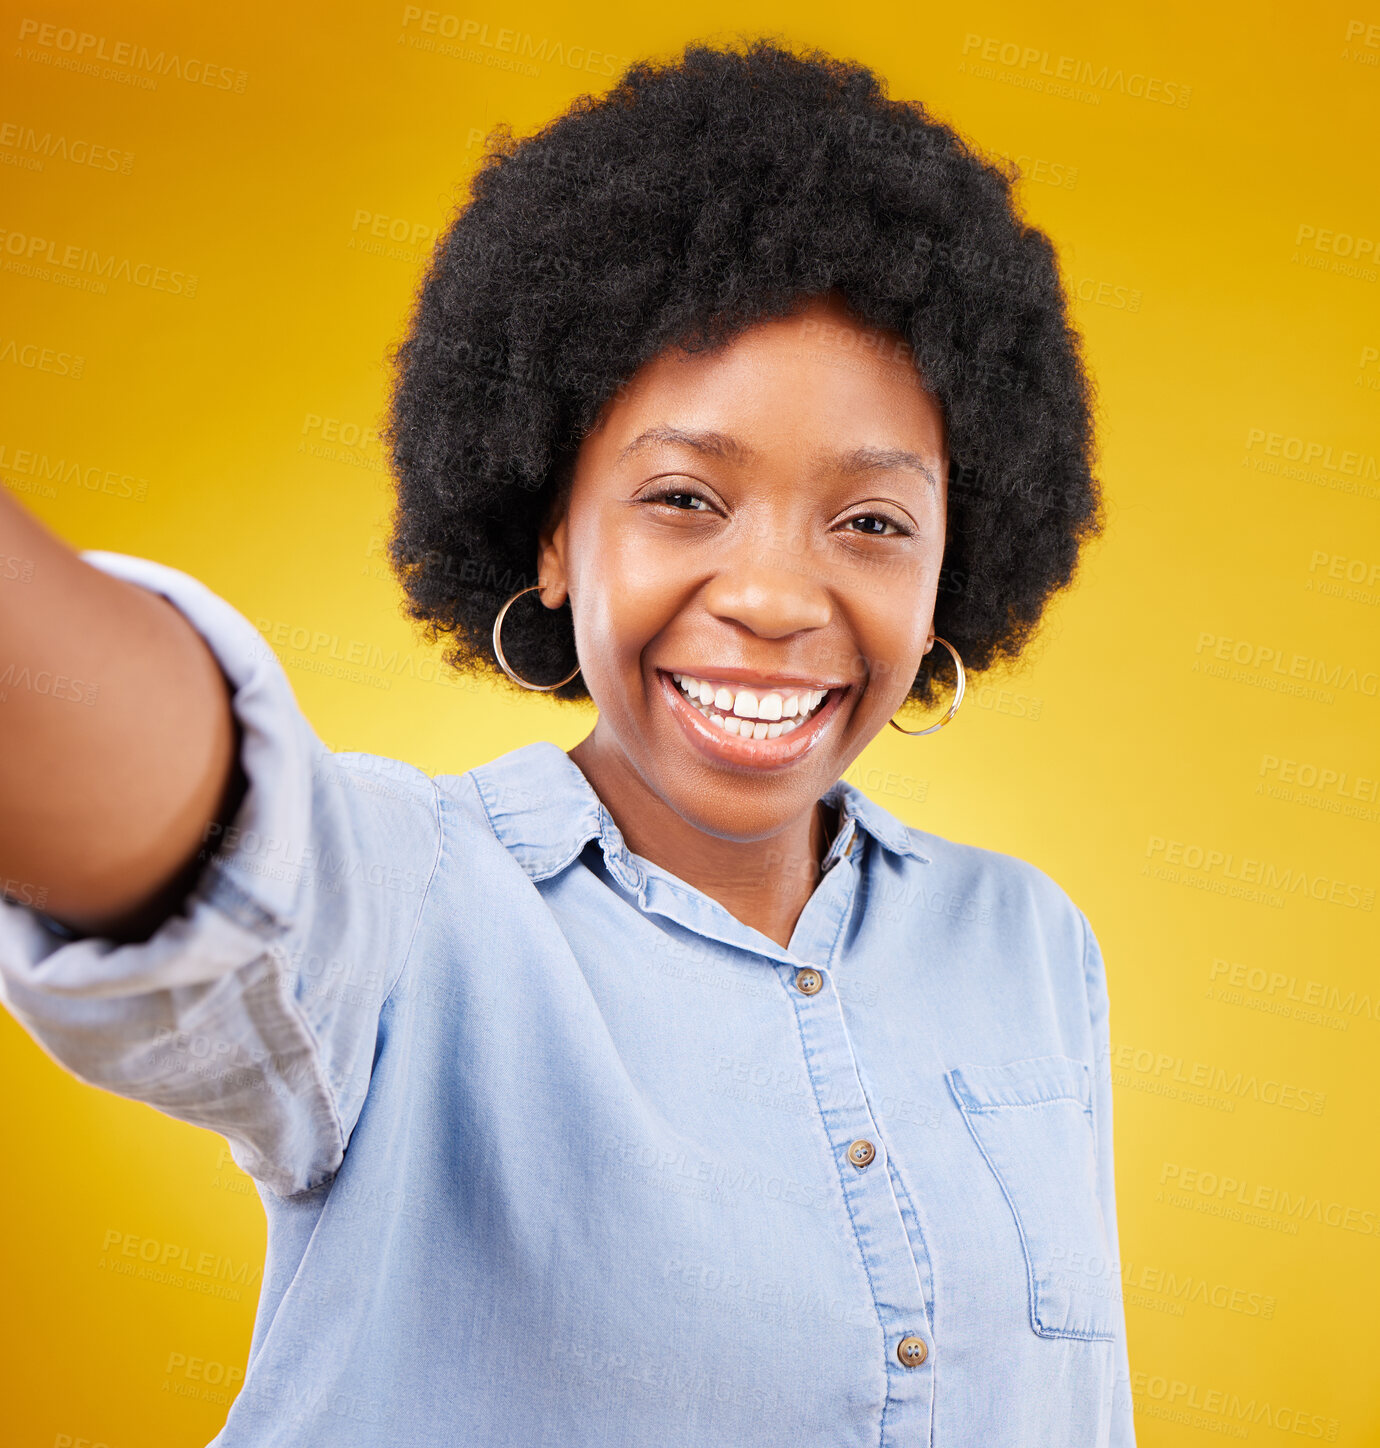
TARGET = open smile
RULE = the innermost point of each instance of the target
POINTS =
(757, 725)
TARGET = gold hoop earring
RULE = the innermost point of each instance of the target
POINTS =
(958, 695)
(502, 660)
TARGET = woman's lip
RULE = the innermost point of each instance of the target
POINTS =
(725, 748)
(777, 684)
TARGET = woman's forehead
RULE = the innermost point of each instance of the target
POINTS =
(817, 380)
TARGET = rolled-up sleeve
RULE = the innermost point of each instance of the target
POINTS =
(254, 1010)
(1123, 1430)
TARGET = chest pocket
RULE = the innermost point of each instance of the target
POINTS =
(1032, 1121)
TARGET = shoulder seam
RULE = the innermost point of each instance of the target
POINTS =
(483, 804)
(1086, 926)
(326, 1090)
(426, 892)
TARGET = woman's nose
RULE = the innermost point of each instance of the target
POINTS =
(772, 600)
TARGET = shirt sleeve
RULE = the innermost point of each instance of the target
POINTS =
(254, 1010)
(1123, 1430)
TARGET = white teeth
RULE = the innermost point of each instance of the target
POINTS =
(748, 713)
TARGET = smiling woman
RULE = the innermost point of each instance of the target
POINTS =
(668, 1090)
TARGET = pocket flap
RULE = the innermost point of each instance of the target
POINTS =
(1023, 1083)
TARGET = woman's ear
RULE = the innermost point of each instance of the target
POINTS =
(552, 571)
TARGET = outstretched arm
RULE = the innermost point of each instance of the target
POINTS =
(118, 744)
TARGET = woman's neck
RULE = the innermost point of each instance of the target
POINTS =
(764, 883)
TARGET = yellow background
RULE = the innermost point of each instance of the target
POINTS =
(220, 432)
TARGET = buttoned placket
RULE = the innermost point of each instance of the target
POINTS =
(874, 1212)
(892, 1257)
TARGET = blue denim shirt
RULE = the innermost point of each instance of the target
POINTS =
(554, 1149)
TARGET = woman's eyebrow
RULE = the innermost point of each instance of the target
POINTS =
(885, 459)
(713, 444)
(722, 445)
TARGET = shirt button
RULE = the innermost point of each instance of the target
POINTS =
(808, 981)
(912, 1351)
(861, 1153)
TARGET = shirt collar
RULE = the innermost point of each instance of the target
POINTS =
(544, 811)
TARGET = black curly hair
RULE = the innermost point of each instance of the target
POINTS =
(696, 197)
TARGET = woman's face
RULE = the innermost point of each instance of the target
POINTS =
(759, 529)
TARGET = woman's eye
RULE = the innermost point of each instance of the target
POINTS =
(872, 525)
(686, 502)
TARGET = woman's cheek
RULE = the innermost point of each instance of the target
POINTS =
(616, 616)
(893, 640)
